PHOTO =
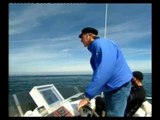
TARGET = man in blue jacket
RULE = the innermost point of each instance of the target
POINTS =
(111, 73)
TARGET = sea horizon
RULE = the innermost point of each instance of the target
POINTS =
(20, 83)
(56, 74)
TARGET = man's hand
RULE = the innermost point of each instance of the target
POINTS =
(83, 102)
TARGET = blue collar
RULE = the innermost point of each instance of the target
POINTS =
(90, 47)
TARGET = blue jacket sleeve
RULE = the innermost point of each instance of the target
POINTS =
(104, 59)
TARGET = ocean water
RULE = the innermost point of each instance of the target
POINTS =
(25, 83)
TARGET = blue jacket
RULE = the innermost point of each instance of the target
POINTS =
(110, 69)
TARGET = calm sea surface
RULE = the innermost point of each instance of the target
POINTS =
(25, 83)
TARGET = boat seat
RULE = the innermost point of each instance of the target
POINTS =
(145, 110)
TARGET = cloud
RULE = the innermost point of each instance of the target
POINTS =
(26, 19)
(141, 65)
(65, 65)
(133, 53)
(48, 55)
(55, 51)
(124, 33)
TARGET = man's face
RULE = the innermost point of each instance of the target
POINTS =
(134, 81)
(86, 39)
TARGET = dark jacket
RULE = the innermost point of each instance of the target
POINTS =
(135, 100)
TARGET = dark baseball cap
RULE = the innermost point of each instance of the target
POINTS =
(88, 30)
(138, 75)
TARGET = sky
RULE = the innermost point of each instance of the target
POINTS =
(43, 38)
